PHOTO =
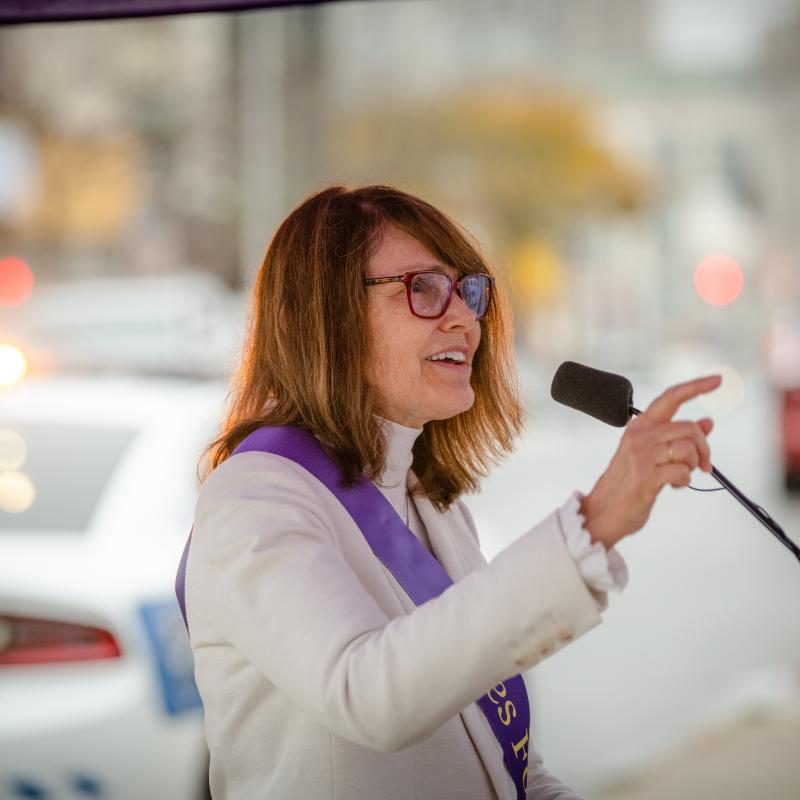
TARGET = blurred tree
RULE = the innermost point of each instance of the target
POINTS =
(87, 189)
(521, 165)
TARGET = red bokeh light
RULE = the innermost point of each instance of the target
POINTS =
(16, 281)
(718, 279)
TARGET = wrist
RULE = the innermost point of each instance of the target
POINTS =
(590, 508)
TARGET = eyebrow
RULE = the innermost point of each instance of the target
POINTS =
(441, 268)
(452, 272)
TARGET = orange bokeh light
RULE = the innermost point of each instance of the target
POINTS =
(718, 279)
(16, 281)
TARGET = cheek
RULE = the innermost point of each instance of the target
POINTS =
(393, 357)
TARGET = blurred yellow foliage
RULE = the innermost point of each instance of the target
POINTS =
(537, 274)
(525, 161)
(87, 190)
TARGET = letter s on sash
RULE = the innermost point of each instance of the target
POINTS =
(500, 693)
(510, 711)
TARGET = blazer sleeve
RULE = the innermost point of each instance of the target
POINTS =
(269, 576)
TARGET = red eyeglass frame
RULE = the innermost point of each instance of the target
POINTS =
(407, 277)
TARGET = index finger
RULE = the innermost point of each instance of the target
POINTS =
(663, 408)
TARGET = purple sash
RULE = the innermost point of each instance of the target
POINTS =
(415, 569)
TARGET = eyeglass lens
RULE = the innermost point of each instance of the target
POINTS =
(429, 291)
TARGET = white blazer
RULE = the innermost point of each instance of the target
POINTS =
(321, 680)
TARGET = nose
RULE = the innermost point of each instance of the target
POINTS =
(458, 314)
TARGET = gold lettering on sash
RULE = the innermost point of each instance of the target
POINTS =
(520, 745)
(525, 778)
(510, 712)
(499, 692)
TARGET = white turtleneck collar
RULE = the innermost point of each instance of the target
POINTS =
(399, 441)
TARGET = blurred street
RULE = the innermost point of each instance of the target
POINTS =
(753, 758)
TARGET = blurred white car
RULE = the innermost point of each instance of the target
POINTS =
(187, 323)
(97, 495)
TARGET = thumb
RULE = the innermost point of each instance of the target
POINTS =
(706, 425)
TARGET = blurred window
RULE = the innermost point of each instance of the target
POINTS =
(57, 479)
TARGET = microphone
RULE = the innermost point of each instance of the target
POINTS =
(602, 395)
(609, 398)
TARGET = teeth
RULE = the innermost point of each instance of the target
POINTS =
(451, 354)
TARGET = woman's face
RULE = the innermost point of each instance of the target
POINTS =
(414, 389)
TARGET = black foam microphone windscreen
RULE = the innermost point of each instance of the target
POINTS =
(603, 395)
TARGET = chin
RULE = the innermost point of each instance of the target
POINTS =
(455, 409)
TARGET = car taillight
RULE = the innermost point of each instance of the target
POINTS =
(791, 423)
(26, 640)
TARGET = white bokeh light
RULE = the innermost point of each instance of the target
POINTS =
(728, 396)
(17, 491)
(13, 365)
(13, 450)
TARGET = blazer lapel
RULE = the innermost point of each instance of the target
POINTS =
(451, 543)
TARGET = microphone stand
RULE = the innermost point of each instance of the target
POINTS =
(756, 510)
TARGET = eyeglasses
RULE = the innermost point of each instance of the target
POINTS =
(429, 293)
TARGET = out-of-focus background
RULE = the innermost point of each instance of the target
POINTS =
(629, 166)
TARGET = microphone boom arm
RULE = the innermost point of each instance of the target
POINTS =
(759, 513)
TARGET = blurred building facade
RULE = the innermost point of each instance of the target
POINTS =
(162, 145)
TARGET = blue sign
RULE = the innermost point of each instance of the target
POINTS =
(172, 652)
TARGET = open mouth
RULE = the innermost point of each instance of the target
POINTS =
(451, 363)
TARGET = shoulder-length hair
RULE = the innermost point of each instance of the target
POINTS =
(306, 346)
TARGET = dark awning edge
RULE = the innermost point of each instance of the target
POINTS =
(19, 12)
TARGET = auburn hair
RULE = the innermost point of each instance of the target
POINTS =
(306, 346)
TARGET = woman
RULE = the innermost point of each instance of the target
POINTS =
(375, 337)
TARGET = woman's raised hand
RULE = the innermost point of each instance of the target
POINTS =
(654, 451)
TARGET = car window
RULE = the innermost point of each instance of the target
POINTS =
(52, 476)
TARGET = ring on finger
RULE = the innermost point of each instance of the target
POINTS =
(670, 456)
